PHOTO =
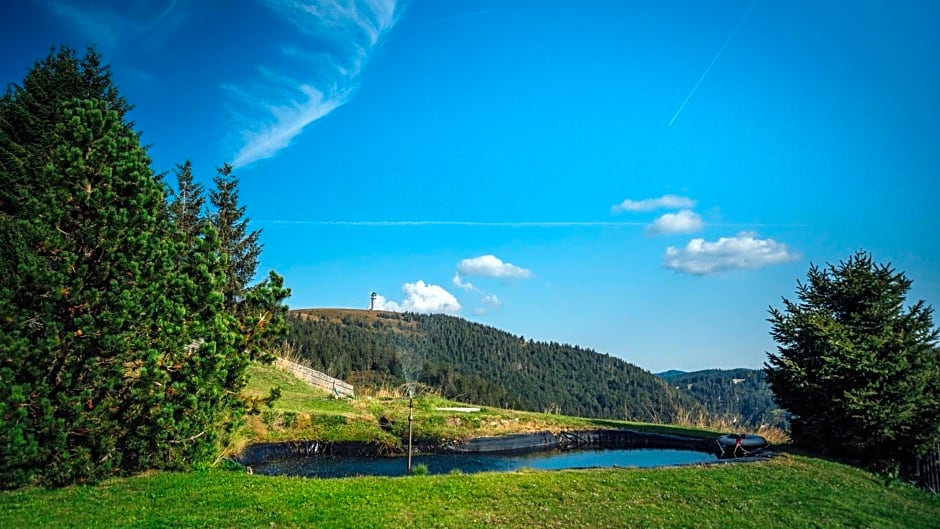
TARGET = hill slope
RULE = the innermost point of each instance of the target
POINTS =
(470, 362)
(734, 395)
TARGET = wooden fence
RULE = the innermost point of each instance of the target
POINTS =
(313, 377)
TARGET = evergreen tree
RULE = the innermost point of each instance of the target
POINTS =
(188, 202)
(262, 318)
(116, 355)
(240, 247)
(27, 112)
(260, 308)
(859, 371)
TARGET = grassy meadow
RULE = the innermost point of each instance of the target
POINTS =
(787, 491)
(303, 412)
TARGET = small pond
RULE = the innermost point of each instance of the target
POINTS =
(335, 467)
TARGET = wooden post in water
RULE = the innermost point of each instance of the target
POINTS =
(411, 416)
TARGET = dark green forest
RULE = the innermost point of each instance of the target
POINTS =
(740, 396)
(475, 363)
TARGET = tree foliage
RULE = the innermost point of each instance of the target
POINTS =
(740, 396)
(117, 353)
(859, 371)
(259, 309)
(240, 247)
(475, 363)
(187, 206)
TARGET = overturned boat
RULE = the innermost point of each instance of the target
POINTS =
(740, 445)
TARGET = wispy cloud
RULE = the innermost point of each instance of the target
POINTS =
(100, 25)
(650, 204)
(460, 283)
(334, 41)
(491, 266)
(421, 297)
(700, 257)
(110, 28)
(487, 266)
(490, 302)
(685, 221)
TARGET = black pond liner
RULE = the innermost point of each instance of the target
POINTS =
(542, 450)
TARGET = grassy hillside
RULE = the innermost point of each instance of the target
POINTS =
(304, 412)
(787, 491)
(467, 361)
(739, 396)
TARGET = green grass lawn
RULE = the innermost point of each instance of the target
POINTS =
(789, 491)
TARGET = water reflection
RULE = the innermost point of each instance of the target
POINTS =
(335, 467)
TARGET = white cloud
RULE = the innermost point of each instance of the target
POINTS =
(492, 300)
(685, 221)
(742, 251)
(650, 204)
(333, 44)
(491, 266)
(289, 120)
(490, 303)
(421, 297)
(383, 304)
(460, 283)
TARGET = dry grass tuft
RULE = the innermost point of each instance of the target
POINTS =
(702, 421)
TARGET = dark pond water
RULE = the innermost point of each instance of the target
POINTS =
(335, 467)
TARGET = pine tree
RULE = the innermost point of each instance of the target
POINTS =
(28, 110)
(240, 247)
(188, 202)
(859, 371)
(259, 308)
(116, 355)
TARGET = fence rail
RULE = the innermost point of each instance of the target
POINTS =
(313, 377)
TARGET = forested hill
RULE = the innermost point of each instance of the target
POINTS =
(475, 363)
(731, 394)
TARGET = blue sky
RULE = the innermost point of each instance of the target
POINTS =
(642, 178)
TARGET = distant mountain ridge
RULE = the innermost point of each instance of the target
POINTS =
(672, 373)
(736, 395)
(476, 363)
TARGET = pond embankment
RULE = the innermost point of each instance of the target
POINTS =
(544, 440)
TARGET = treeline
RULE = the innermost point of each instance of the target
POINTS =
(475, 363)
(739, 396)
(128, 314)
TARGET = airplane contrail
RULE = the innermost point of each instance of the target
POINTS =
(465, 15)
(468, 223)
(492, 224)
(714, 60)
